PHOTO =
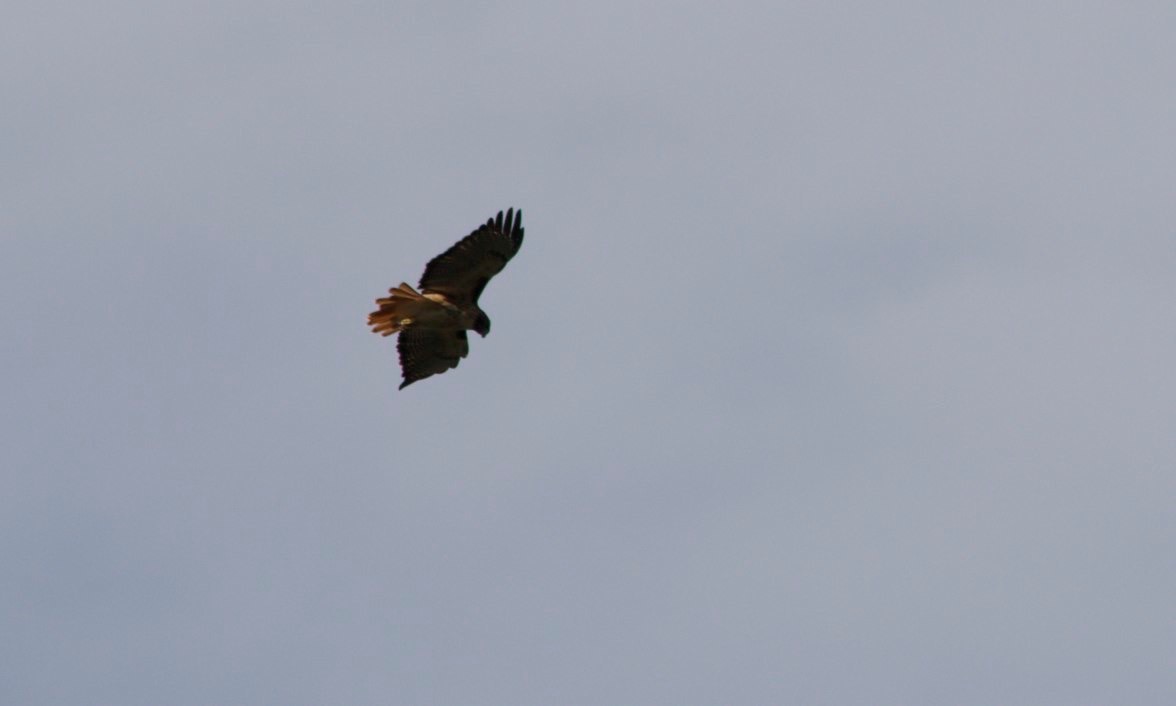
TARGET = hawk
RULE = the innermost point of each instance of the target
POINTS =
(432, 323)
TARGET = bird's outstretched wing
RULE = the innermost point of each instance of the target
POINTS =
(425, 352)
(461, 272)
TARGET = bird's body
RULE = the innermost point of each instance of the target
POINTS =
(405, 307)
(432, 323)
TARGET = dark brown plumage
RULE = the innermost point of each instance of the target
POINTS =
(432, 323)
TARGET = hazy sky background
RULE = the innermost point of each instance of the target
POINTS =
(837, 367)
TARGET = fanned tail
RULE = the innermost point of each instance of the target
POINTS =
(396, 310)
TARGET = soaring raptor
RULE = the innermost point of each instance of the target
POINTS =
(432, 323)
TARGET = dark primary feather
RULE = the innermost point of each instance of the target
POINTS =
(462, 271)
(425, 352)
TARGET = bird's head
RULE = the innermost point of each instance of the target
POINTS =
(482, 324)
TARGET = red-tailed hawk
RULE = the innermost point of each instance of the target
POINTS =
(432, 323)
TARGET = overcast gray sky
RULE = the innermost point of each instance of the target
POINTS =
(837, 367)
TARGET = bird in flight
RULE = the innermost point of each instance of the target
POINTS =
(432, 323)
